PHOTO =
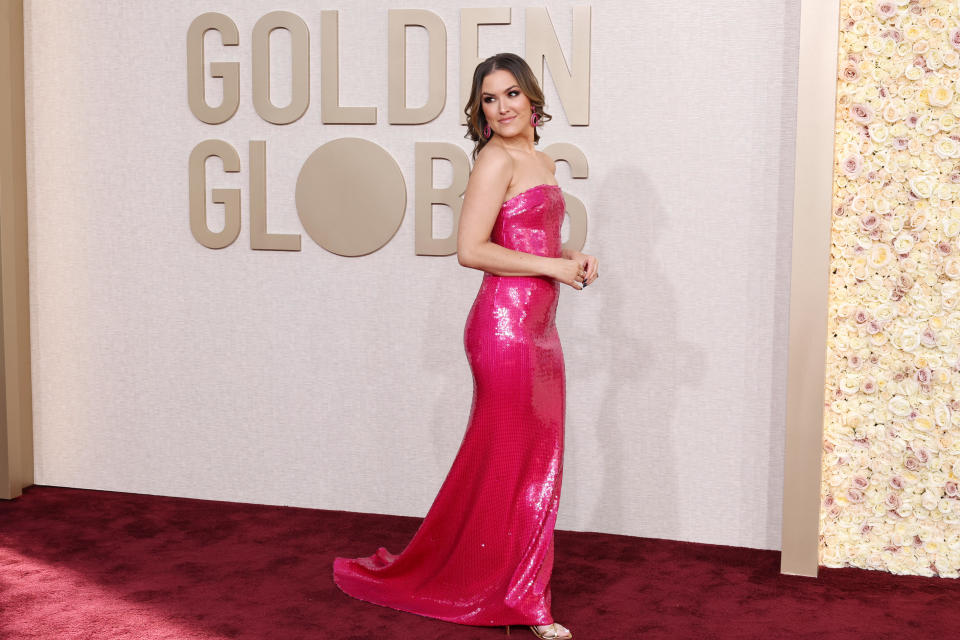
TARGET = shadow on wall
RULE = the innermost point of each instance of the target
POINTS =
(647, 364)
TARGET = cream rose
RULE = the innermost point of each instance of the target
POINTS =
(946, 147)
(951, 268)
(899, 406)
(922, 185)
(950, 226)
(879, 132)
(903, 243)
(940, 96)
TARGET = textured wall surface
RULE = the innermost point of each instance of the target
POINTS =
(310, 379)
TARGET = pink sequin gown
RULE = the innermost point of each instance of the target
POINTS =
(484, 552)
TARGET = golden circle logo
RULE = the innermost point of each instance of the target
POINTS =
(340, 207)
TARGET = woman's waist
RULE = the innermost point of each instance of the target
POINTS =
(537, 294)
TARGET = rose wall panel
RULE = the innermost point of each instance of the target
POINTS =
(891, 458)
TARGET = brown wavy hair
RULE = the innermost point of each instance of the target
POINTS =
(527, 82)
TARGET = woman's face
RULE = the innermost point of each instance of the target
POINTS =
(506, 108)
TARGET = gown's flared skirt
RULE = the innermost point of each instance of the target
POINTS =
(484, 552)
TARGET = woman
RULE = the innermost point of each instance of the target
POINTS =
(484, 552)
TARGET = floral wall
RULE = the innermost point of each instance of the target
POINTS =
(891, 457)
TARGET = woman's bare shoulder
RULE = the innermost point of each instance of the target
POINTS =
(493, 160)
(494, 154)
(547, 161)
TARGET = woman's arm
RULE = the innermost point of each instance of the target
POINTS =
(481, 204)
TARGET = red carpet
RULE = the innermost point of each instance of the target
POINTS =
(103, 565)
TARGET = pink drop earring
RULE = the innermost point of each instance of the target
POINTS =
(534, 119)
(486, 131)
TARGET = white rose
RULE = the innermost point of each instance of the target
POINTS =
(923, 185)
(885, 312)
(899, 406)
(946, 147)
(903, 243)
(879, 132)
(850, 384)
(950, 226)
(928, 125)
(951, 267)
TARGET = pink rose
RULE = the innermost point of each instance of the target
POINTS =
(886, 9)
(860, 482)
(854, 495)
(897, 482)
(911, 119)
(869, 385)
(951, 489)
(869, 220)
(955, 37)
(854, 361)
(851, 73)
(900, 144)
(852, 166)
(911, 462)
(861, 316)
(924, 374)
(861, 113)
(892, 502)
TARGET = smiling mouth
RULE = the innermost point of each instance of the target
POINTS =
(504, 120)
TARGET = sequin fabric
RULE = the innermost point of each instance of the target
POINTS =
(483, 554)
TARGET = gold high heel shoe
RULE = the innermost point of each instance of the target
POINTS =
(553, 631)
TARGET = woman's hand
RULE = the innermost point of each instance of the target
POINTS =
(586, 263)
(569, 272)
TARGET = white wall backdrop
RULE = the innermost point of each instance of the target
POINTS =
(310, 379)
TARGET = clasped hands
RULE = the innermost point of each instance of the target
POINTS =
(576, 269)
